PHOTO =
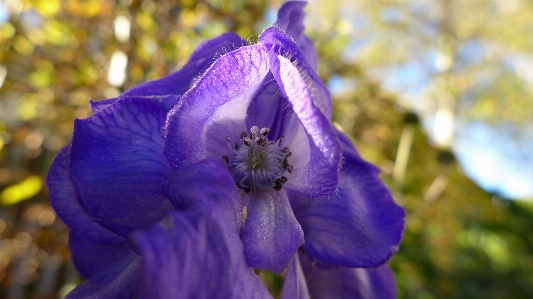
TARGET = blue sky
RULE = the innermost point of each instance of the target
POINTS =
(499, 158)
(496, 161)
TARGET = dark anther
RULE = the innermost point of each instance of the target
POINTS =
(236, 146)
(281, 138)
(286, 150)
(265, 131)
(227, 139)
(246, 189)
(262, 141)
(244, 135)
(226, 159)
(285, 163)
(290, 168)
(278, 184)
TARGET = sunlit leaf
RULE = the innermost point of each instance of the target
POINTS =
(39, 79)
(7, 31)
(145, 21)
(59, 33)
(28, 107)
(21, 191)
(22, 45)
(48, 8)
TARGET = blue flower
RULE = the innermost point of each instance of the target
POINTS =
(232, 156)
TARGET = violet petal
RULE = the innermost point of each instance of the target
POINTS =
(215, 108)
(92, 255)
(342, 282)
(321, 175)
(85, 234)
(164, 102)
(294, 283)
(118, 167)
(192, 255)
(270, 109)
(65, 200)
(283, 45)
(206, 185)
(271, 234)
(117, 282)
(361, 226)
(290, 19)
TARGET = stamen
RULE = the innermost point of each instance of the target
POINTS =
(229, 146)
(290, 168)
(260, 162)
(264, 131)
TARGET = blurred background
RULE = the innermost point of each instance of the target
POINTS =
(436, 93)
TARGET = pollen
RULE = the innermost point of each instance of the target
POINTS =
(258, 162)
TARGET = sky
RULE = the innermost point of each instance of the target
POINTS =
(498, 158)
(495, 161)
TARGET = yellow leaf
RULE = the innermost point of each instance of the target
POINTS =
(7, 31)
(28, 107)
(22, 45)
(21, 191)
(48, 8)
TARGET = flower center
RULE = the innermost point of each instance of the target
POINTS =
(258, 162)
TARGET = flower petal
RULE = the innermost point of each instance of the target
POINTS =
(270, 109)
(280, 43)
(117, 282)
(321, 176)
(206, 185)
(215, 107)
(65, 200)
(271, 234)
(165, 102)
(290, 20)
(118, 167)
(294, 283)
(97, 106)
(341, 282)
(92, 255)
(347, 145)
(192, 255)
(359, 227)
(201, 59)
(94, 248)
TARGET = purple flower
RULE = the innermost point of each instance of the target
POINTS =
(263, 110)
(230, 163)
